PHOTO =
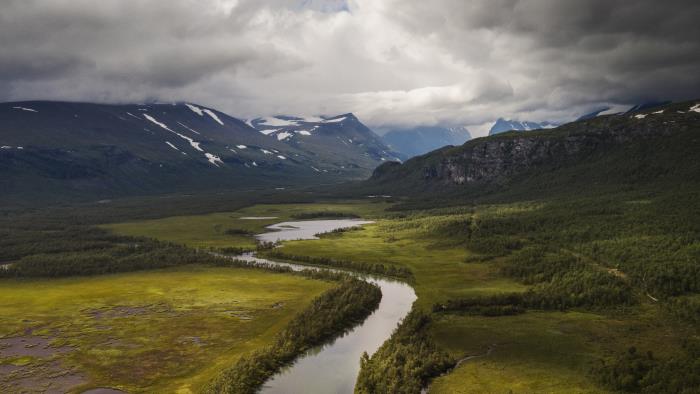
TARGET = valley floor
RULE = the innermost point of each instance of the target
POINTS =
(603, 293)
(536, 351)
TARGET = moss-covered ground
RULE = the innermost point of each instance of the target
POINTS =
(153, 331)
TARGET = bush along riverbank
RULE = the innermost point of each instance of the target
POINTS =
(406, 362)
(336, 310)
(387, 270)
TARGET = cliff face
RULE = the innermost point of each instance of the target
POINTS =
(497, 158)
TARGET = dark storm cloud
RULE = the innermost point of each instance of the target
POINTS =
(394, 62)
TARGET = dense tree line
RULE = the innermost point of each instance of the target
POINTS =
(370, 268)
(337, 309)
(636, 372)
(324, 215)
(131, 254)
(406, 362)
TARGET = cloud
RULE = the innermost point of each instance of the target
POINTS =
(393, 62)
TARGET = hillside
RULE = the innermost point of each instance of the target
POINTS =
(653, 145)
(64, 150)
(423, 139)
(341, 139)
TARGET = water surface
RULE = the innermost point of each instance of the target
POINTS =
(307, 229)
(333, 367)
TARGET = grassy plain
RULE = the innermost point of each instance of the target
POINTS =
(534, 352)
(153, 331)
(210, 231)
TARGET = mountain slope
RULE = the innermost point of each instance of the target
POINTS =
(419, 140)
(655, 145)
(342, 140)
(503, 125)
(83, 150)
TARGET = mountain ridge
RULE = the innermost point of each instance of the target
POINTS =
(67, 150)
(498, 161)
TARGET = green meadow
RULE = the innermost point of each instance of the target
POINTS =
(161, 331)
(228, 229)
(467, 251)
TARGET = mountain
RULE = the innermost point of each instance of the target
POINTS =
(423, 139)
(503, 125)
(342, 140)
(67, 150)
(657, 145)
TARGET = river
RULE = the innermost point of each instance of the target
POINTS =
(333, 367)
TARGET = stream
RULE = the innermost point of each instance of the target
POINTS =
(333, 367)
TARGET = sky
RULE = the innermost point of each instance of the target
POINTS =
(394, 63)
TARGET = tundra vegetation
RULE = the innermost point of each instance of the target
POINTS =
(588, 291)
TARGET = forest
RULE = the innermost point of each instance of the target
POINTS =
(338, 309)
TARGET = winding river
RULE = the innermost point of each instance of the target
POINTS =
(333, 367)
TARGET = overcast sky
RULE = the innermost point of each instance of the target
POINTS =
(392, 62)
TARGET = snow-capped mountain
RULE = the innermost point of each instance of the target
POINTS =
(336, 138)
(423, 139)
(88, 150)
(503, 125)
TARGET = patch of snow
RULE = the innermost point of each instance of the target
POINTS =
(213, 116)
(232, 150)
(172, 146)
(192, 142)
(283, 135)
(270, 131)
(20, 147)
(265, 151)
(281, 157)
(202, 111)
(249, 122)
(315, 169)
(658, 112)
(255, 164)
(25, 109)
(213, 159)
(132, 115)
(695, 108)
(185, 126)
(303, 132)
(195, 109)
(5, 147)
(241, 146)
(640, 116)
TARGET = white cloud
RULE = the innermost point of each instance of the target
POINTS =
(392, 62)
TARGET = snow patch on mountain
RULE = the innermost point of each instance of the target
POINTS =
(192, 142)
(214, 159)
(185, 126)
(202, 111)
(25, 109)
(284, 135)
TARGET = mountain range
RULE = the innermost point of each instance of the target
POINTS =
(86, 150)
(423, 139)
(504, 125)
(654, 144)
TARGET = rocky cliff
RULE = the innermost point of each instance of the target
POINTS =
(501, 157)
